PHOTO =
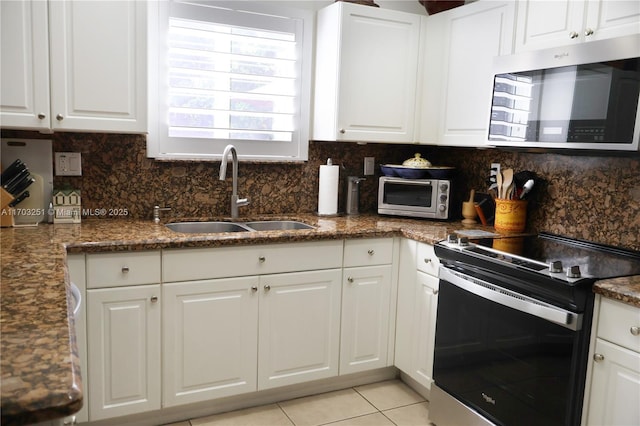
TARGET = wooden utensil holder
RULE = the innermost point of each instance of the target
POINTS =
(6, 212)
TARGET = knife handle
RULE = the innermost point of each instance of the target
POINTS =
(483, 219)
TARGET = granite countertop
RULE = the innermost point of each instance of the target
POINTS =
(40, 372)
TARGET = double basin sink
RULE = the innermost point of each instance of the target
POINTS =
(218, 227)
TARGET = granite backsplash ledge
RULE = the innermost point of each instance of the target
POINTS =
(589, 197)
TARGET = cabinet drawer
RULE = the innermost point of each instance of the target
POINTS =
(220, 262)
(368, 251)
(427, 261)
(616, 323)
(123, 269)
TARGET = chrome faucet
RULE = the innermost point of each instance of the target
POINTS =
(235, 200)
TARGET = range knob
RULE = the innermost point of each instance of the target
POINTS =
(555, 266)
(463, 241)
(574, 272)
(452, 238)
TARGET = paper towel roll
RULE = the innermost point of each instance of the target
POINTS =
(328, 190)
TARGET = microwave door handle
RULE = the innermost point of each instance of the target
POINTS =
(410, 182)
(513, 300)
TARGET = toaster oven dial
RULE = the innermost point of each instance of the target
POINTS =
(442, 207)
(443, 197)
(443, 187)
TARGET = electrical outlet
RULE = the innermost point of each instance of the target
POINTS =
(369, 163)
(68, 164)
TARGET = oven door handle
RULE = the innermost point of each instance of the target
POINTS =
(511, 299)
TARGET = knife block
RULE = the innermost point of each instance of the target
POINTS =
(6, 212)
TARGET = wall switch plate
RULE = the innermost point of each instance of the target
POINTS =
(68, 164)
(369, 166)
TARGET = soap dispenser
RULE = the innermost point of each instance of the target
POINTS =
(353, 195)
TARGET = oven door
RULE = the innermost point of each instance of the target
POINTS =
(408, 197)
(506, 356)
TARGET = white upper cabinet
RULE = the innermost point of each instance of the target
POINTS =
(457, 77)
(543, 24)
(366, 73)
(93, 53)
(24, 69)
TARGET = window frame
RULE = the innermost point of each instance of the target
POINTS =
(259, 150)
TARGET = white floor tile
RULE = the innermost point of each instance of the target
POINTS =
(389, 394)
(326, 408)
(266, 415)
(411, 415)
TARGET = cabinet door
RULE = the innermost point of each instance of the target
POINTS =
(611, 18)
(77, 275)
(424, 331)
(461, 44)
(24, 69)
(543, 24)
(123, 334)
(372, 96)
(98, 65)
(615, 386)
(210, 339)
(299, 327)
(365, 318)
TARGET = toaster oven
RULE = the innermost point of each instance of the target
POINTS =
(422, 198)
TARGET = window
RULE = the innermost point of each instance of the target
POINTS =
(234, 72)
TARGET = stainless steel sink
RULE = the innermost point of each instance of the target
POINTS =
(218, 227)
(277, 225)
(207, 227)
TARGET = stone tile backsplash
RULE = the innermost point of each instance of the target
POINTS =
(595, 198)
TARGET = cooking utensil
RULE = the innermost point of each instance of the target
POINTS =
(24, 184)
(526, 188)
(18, 182)
(19, 199)
(15, 179)
(499, 182)
(507, 180)
(33, 210)
(11, 171)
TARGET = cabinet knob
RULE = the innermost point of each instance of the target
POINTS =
(588, 32)
(59, 117)
(125, 269)
(350, 279)
(371, 252)
(342, 131)
(598, 357)
(42, 116)
(262, 259)
(573, 35)
(436, 291)
(427, 260)
(154, 299)
(635, 330)
(254, 288)
(267, 287)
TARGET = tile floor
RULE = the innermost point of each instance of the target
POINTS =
(378, 404)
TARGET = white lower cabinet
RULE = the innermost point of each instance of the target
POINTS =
(366, 294)
(209, 339)
(615, 380)
(417, 308)
(123, 334)
(299, 327)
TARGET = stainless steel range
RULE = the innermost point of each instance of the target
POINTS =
(513, 328)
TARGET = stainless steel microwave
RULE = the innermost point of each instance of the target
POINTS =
(582, 97)
(423, 198)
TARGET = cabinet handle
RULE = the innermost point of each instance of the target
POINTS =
(42, 116)
(254, 288)
(125, 269)
(154, 299)
(635, 330)
(267, 287)
(59, 117)
(427, 260)
(573, 35)
(350, 279)
(598, 357)
(262, 259)
(371, 252)
(588, 32)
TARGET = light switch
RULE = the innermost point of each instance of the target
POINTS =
(68, 164)
(368, 166)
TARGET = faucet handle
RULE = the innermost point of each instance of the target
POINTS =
(242, 201)
(156, 212)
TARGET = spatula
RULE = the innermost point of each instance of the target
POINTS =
(499, 182)
(507, 180)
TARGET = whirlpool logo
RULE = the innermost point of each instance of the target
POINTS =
(488, 399)
(561, 55)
